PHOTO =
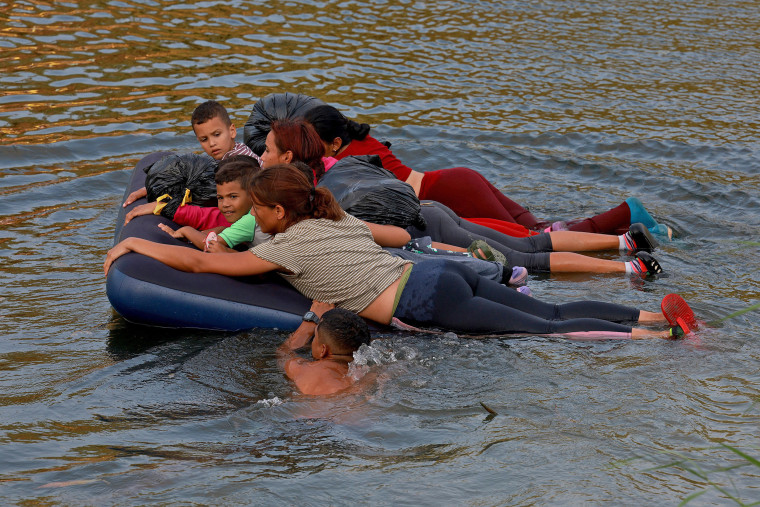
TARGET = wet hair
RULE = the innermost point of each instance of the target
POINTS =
(344, 330)
(208, 110)
(302, 141)
(330, 123)
(236, 168)
(291, 188)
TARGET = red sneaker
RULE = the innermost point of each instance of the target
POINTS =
(678, 313)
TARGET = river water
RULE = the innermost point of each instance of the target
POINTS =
(569, 107)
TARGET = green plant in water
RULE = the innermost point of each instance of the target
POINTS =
(691, 465)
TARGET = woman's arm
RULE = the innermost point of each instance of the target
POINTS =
(286, 357)
(389, 235)
(195, 261)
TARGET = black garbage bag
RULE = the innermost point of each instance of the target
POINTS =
(174, 174)
(275, 106)
(373, 194)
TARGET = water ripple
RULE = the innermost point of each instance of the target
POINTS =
(568, 107)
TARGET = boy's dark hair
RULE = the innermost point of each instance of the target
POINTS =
(345, 329)
(303, 166)
(208, 110)
(236, 168)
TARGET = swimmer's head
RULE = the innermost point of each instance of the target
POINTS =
(340, 332)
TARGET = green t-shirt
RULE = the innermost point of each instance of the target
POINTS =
(241, 231)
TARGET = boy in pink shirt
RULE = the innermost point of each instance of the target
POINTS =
(233, 205)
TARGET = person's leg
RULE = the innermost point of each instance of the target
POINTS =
(566, 241)
(508, 228)
(470, 194)
(558, 241)
(611, 312)
(651, 317)
(442, 228)
(521, 215)
(487, 269)
(636, 238)
(569, 262)
(445, 294)
(610, 222)
(586, 310)
(530, 244)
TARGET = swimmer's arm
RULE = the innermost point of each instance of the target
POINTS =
(389, 235)
(194, 261)
(287, 359)
(286, 356)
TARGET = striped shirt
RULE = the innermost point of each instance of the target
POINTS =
(241, 149)
(333, 261)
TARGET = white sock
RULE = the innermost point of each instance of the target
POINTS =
(623, 242)
(633, 266)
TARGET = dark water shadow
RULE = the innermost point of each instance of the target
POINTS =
(126, 340)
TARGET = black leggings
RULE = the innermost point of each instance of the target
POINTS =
(444, 226)
(445, 294)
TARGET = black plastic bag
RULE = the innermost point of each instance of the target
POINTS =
(175, 173)
(275, 106)
(370, 193)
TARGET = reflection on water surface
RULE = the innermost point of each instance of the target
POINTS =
(567, 106)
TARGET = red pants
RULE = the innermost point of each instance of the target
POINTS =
(470, 195)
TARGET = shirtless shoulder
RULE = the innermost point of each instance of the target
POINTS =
(318, 379)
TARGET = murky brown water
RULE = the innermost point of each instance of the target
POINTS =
(568, 106)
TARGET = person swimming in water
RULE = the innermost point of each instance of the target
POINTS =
(335, 335)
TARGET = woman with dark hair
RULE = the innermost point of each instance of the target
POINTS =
(464, 190)
(330, 256)
(543, 252)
